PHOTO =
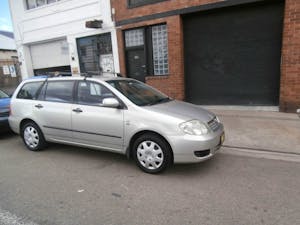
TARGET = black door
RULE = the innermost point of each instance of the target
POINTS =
(136, 64)
(232, 55)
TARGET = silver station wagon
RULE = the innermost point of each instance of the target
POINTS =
(114, 114)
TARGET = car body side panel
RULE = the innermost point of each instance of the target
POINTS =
(139, 119)
(54, 119)
(98, 126)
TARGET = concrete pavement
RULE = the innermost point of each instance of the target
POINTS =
(261, 131)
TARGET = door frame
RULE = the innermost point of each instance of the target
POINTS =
(129, 49)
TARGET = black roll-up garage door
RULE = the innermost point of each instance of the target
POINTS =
(232, 55)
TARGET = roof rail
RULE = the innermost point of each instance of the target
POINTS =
(85, 74)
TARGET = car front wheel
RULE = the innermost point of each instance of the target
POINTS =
(152, 153)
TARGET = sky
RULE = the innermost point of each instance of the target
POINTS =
(5, 19)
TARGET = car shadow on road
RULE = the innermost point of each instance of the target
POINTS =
(6, 135)
(82, 153)
(127, 165)
(195, 169)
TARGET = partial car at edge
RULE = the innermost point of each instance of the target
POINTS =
(4, 111)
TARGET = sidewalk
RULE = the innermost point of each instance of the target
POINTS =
(260, 130)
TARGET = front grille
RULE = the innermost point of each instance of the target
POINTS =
(4, 114)
(214, 124)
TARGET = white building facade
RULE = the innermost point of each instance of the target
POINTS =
(51, 35)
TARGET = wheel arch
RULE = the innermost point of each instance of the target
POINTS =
(140, 133)
(24, 121)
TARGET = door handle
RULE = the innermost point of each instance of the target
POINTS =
(78, 110)
(39, 106)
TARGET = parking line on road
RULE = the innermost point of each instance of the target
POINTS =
(7, 218)
(290, 157)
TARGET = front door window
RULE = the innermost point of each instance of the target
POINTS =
(90, 93)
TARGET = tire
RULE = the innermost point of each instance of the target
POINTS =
(33, 137)
(152, 153)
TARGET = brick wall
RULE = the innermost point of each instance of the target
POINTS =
(290, 67)
(173, 84)
(123, 12)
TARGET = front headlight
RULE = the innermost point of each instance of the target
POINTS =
(194, 127)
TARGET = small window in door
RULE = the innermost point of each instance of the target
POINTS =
(91, 93)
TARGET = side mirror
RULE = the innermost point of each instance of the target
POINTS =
(110, 102)
(298, 112)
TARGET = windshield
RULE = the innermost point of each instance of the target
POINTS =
(138, 92)
(3, 95)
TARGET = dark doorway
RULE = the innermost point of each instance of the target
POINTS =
(232, 55)
(136, 65)
(46, 71)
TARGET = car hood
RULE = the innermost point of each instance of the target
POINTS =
(182, 110)
(4, 104)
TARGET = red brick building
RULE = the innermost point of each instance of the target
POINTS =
(214, 52)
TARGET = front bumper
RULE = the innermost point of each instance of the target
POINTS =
(184, 147)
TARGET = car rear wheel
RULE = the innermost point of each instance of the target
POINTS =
(152, 153)
(33, 137)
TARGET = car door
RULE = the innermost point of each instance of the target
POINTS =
(52, 109)
(94, 124)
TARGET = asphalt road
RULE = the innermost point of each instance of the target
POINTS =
(70, 185)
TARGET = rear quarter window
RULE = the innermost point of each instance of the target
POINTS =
(30, 90)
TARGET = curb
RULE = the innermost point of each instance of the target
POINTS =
(262, 154)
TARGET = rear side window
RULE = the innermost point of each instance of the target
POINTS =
(60, 91)
(30, 90)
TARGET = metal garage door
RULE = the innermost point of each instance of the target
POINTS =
(232, 55)
(50, 54)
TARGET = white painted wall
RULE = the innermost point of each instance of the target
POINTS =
(60, 20)
(7, 43)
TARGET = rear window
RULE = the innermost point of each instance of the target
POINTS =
(60, 91)
(30, 90)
